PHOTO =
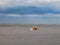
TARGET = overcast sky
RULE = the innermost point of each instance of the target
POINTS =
(30, 11)
(30, 7)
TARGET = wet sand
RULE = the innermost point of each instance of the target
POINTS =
(45, 35)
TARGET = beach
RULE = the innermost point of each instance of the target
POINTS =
(22, 35)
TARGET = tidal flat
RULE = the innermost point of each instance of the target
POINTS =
(22, 35)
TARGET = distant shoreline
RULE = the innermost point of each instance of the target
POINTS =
(27, 25)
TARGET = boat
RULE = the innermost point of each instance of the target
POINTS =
(34, 28)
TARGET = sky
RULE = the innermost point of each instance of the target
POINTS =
(18, 8)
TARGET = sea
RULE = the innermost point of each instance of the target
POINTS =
(29, 19)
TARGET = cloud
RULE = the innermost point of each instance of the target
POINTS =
(13, 3)
(35, 15)
(13, 15)
(24, 7)
(10, 3)
(25, 10)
